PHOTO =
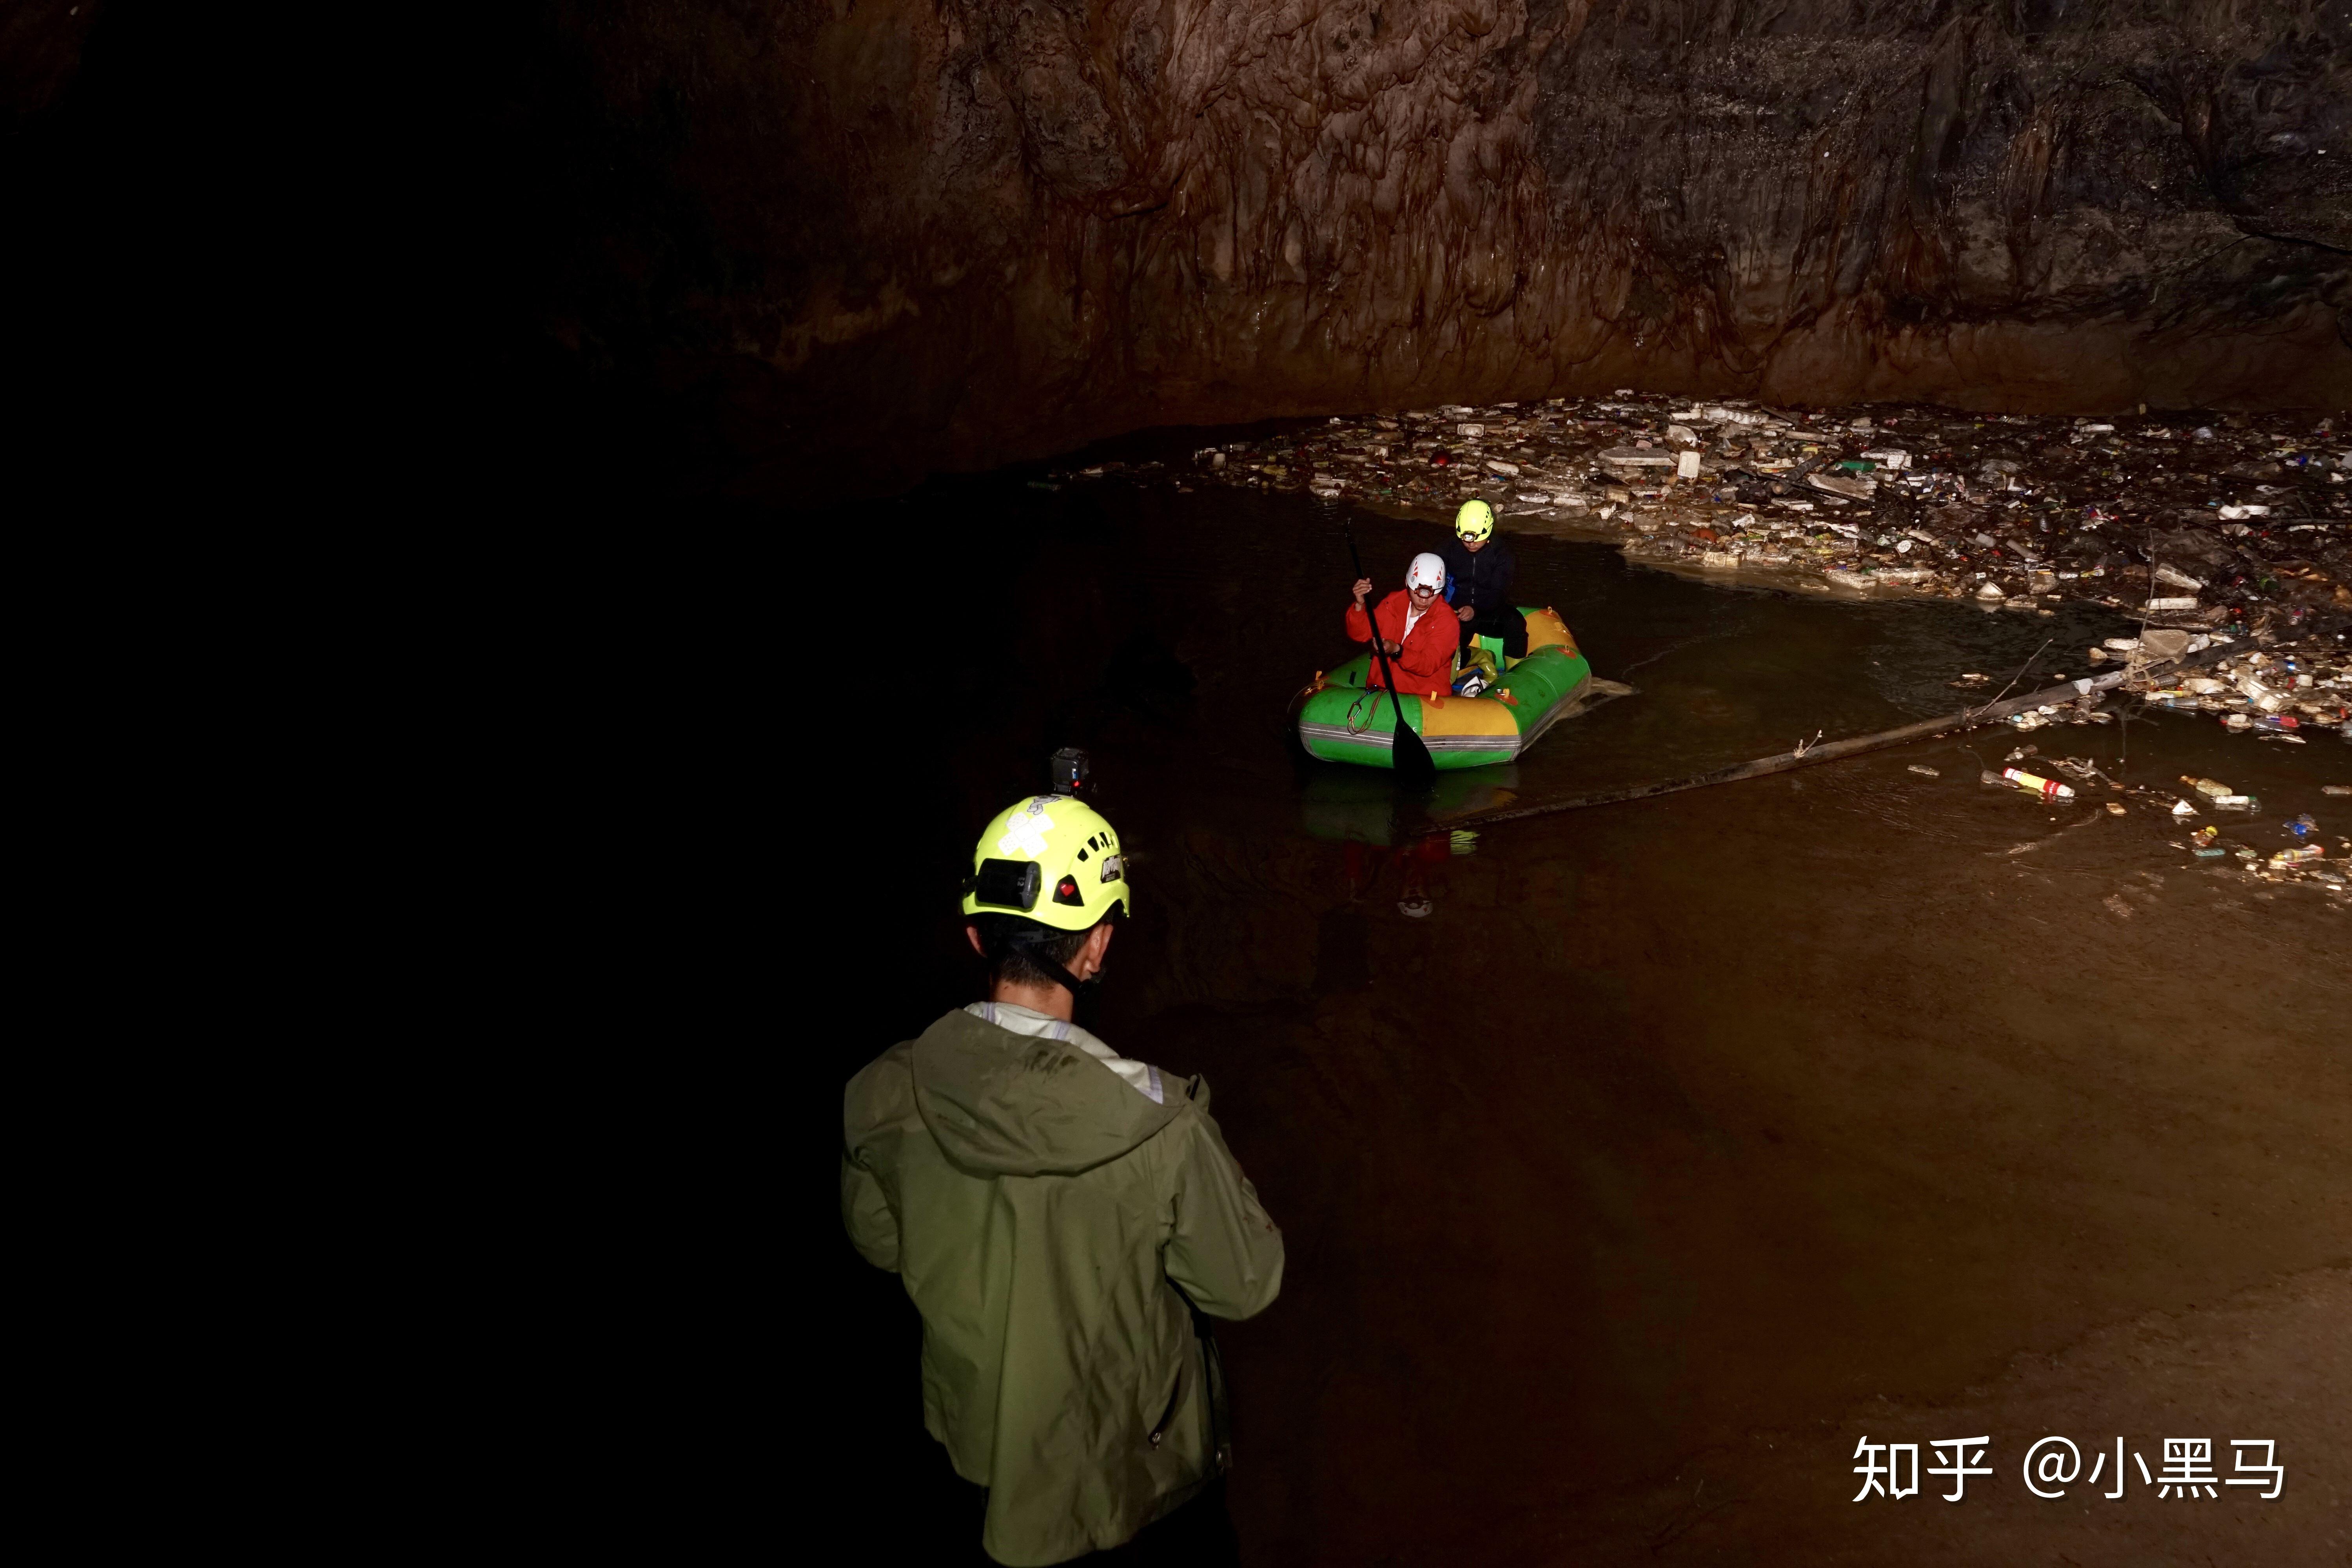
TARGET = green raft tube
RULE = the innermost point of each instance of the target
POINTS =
(1342, 720)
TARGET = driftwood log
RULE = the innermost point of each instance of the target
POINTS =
(1832, 751)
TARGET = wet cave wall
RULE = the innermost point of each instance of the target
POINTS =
(842, 242)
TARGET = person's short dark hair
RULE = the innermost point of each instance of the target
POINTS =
(1007, 966)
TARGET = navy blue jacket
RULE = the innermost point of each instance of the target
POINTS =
(1482, 581)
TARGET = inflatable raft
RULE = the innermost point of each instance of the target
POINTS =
(1343, 721)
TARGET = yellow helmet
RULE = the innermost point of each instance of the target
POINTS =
(1474, 521)
(1050, 859)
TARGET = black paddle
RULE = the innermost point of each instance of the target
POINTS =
(1408, 754)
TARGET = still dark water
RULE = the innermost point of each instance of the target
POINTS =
(1669, 1124)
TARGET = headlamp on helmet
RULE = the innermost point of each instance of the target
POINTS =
(1050, 859)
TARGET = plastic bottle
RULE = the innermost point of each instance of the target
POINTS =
(2049, 789)
(2260, 695)
(2213, 788)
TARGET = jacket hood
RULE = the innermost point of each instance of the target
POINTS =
(1007, 1104)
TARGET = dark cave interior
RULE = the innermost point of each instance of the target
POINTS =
(843, 244)
(789, 250)
(741, 260)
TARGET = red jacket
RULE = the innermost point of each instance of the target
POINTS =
(1426, 664)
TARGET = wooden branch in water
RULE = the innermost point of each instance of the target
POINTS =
(1831, 751)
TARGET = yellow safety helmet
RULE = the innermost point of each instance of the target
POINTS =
(1050, 859)
(1474, 521)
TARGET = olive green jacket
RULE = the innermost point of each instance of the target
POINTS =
(1043, 1212)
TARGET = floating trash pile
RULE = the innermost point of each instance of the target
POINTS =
(2287, 693)
(2232, 532)
(2293, 851)
(2236, 524)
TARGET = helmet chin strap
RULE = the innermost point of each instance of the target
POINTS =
(1033, 953)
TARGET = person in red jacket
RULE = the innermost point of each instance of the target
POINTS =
(1420, 640)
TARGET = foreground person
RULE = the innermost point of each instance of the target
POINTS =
(1417, 631)
(1058, 1213)
(1481, 567)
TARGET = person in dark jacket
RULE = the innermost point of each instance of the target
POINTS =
(1481, 567)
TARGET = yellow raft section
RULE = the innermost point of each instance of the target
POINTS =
(1471, 716)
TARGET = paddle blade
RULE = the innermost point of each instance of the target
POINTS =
(1410, 754)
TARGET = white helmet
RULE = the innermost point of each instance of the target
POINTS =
(1427, 570)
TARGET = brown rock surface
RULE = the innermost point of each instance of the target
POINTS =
(924, 232)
